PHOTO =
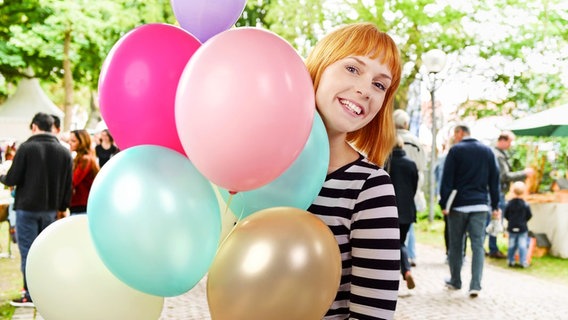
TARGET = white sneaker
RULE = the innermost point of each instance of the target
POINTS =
(22, 302)
(473, 293)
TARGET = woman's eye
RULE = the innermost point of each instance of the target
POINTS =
(352, 69)
(380, 86)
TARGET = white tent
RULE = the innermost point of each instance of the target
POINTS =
(18, 110)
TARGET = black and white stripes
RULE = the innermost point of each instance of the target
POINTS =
(358, 203)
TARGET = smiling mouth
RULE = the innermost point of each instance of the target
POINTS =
(351, 106)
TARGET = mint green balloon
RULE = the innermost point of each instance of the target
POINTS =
(297, 187)
(154, 220)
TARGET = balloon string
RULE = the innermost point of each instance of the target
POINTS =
(227, 206)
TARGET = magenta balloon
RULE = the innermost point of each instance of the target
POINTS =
(206, 18)
(244, 108)
(138, 84)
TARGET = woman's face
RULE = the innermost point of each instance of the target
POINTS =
(351, 92)
(73, 142)
(104, 136)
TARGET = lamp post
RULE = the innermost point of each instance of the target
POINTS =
(434, 61)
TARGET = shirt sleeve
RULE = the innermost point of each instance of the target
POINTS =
(447, 183)
(529, 212)
(494, 185)
(375, 241)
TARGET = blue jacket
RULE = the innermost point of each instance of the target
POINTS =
(517, 213)
(471, 169)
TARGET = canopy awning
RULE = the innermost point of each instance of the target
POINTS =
(548, 123)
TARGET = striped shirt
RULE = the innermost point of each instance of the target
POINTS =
(358, 203)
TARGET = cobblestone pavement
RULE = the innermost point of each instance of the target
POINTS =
(507, 294)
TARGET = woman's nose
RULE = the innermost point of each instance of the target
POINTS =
(363, 93)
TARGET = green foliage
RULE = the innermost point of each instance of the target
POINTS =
(300, 22)
(35, 34)
(35, 31)
(423, 215)
(254, 15)
(31, 33)
(17, 17)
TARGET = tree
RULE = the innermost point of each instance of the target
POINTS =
(16, 58)
(525, 59)
(65, 42)
(416, 26)
(497, 41)
(69, 40)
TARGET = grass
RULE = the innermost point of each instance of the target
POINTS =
(10, 275)
(546, 267)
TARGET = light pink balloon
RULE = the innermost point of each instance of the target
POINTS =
(138, 84)
(244, 108)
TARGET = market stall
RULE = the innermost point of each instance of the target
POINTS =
(550, 210)
(551, 218)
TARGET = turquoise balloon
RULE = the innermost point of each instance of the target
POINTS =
(297, 187)
(154, 220)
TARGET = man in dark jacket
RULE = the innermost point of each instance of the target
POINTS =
(41, 172)
(404, 177)
(470, 169)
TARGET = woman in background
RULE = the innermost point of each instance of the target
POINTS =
(106, 148)
(85, 168)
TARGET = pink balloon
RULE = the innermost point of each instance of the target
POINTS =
(138, 83)
(244, 108)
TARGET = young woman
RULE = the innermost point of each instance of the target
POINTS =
(356, 72)
(85, 168)
(106, 149)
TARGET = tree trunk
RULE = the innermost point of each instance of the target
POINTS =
(67, 82)
(94, 113)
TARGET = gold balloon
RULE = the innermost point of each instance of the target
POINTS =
(278, 263)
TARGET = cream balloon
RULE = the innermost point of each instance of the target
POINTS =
(68, 281)
(278, 263)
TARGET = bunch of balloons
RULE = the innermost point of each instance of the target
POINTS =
(194, 109)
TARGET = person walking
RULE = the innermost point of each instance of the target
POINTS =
(506, 177)
(518, 213)
(416, 152)
(470, 169)
(404, 176)
(41, 171)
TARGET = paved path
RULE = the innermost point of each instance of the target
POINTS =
(507, 294)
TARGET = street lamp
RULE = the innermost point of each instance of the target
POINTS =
(434, 61)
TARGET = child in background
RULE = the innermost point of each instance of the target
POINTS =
(517, 213)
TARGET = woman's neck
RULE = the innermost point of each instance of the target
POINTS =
(106, 144)
(340, 152)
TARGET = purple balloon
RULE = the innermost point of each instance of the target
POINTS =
(206, 18)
